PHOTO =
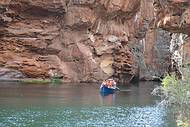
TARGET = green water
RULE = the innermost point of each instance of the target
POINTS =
(80, 105)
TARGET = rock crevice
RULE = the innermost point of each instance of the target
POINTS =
(90, 40)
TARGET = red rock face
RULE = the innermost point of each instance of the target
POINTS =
(186, 51)
(174, 16)
(84, 40)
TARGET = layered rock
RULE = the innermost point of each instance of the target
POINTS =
(173, 16)
(10, 74)
(86, 40)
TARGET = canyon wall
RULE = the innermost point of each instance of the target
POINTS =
(174, 16)
(89, 40)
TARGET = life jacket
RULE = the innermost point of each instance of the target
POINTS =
(109, 83)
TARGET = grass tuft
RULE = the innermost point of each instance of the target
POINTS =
(36, 81)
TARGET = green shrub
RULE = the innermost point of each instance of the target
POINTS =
(56, 80)
(35, 81)
(53, 80)
(176, 94)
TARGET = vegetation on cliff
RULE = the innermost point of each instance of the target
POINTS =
(175, 94)
(52, 80)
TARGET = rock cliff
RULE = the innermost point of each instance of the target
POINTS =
(174, 16)
(90, 40)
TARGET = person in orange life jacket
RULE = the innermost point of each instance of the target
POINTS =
(109, 83)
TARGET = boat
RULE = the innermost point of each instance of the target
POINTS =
(108, 87)
(106, 90)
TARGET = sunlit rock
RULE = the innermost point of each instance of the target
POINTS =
(89, 40)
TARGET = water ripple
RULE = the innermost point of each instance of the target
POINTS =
(150, 116)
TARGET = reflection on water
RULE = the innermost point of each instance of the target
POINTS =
(80, 105)
(108, 99)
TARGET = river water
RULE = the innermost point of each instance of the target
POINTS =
(81, 105)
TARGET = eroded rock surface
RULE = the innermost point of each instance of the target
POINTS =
(89, 40)
(174, 16)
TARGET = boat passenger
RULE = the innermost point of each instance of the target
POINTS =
(103, 84)
(110, 83)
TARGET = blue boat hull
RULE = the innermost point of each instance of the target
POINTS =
(107, 90)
